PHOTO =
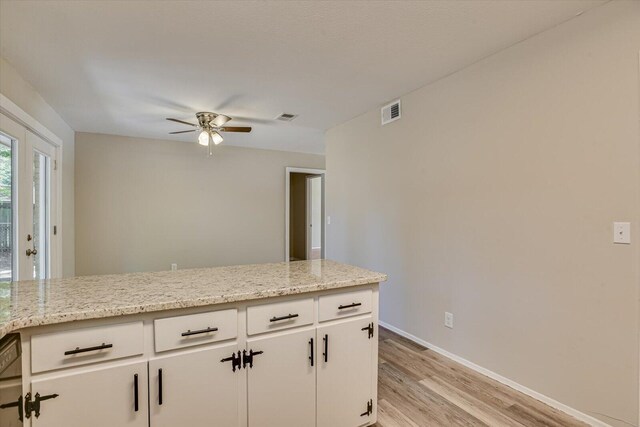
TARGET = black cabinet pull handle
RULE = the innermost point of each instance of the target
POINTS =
(355, 304)
(311, 345)
(288, 316)
(199, 331)
(326, 348)
(84, 350)
(135, 392)
(159, 386)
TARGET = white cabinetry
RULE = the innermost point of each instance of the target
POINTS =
(293, 361)
(282, 381)
(196, 389)
(345, 380)
(114, 396)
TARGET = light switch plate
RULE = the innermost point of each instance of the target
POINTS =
(622, 233)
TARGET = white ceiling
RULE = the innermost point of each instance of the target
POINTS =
(122, 67)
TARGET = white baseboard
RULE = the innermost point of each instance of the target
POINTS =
(506, 381)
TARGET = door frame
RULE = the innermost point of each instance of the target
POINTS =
(309, 215)
(287, 194)
(17, 114)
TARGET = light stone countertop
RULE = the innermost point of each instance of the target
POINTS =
(33, 303)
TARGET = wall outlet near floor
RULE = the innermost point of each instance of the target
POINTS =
(174, 267)
(448, 319)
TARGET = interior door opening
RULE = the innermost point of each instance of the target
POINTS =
(305, 212)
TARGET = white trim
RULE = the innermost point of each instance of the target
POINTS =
(11, 110)
(506, 381)
(17, 114)
(287, 186)
(638, 323)
(307, 220)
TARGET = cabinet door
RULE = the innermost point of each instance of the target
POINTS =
(97, 398)
(10, 392)
(281, 383)
(195, 389)
(344, 374)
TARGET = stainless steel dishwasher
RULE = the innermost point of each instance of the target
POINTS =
(10, 381)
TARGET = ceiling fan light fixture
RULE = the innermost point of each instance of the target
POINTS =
(216, 137)
(203, 138)
(209, 127)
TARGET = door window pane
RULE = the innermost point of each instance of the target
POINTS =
(40, 216)
(6, 209)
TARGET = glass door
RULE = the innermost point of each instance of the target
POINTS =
(41, 215)
(6, 208)
(38, 209)
(27, 204)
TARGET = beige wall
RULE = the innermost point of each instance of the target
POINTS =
(493, 198)
(19, 91)
(143, 204)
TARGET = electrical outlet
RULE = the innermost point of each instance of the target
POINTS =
(448, 319)
(622, 233)
(174, 267)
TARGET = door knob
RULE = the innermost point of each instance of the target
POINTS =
(32, 252)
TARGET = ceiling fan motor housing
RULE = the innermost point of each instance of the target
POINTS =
(205, 118)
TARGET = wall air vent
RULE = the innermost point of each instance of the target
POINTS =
(391, 112)
(286, 117)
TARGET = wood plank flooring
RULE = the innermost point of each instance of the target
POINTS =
(418, 387)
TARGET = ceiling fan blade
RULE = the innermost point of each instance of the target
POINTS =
(220, 120)
(182, 131)
(236, 129)
(181, 121)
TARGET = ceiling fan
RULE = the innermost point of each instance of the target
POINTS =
(210, 125)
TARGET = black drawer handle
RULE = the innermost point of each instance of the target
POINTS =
(159, 386)
(84, 350)
(200, 331)
(288, 316)
(355, 304)
(135, 392)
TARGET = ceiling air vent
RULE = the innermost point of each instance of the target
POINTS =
(286, 117)
(391, 112)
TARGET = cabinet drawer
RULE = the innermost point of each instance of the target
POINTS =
(344, 304)
(280, 315)
(89, 345)
(195, 329)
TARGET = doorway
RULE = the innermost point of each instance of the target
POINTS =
(28, 204)
(304, 214)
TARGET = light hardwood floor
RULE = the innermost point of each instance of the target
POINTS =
(418, 387)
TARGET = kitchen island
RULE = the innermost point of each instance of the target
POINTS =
(282, 344)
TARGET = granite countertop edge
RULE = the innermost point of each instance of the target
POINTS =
(359, 278)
